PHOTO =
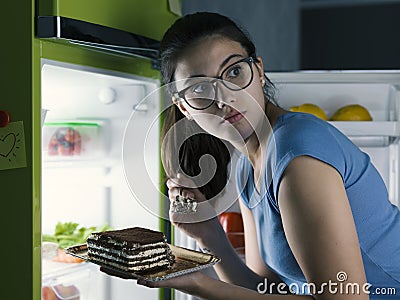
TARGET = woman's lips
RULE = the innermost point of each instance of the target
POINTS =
(234, 118)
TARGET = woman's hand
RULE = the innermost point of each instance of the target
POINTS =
(197, 225)
(185, 187)
(188, 283)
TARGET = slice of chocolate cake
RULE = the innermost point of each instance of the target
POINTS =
(132, 249)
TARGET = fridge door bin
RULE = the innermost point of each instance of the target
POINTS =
(370, 134)
(72, 140)
(65, 281)
(378, 92)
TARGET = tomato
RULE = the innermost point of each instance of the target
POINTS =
(236, 239)
(232, 224)
(231, 221)
(48, 293)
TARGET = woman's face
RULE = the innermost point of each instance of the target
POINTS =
(236, 113)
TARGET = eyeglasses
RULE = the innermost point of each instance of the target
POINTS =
(203, 92)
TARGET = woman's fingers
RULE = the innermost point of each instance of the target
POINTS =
(141, 281)
(116, 273)
(182, 282)
(152, 284)
(204, 211)
(173, 192)
(178, 187)
(181, 180)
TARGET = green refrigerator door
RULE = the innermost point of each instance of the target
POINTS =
(19, 174)
(149, 18)
(20, 153)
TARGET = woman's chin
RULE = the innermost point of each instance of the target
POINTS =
(235, 139)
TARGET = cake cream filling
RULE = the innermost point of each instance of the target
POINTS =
(146, 260)
(132, 268)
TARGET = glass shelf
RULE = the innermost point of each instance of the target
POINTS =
(368, 128)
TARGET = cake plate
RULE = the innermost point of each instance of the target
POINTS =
(186, 261)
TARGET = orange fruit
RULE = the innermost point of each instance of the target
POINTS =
(352, 112)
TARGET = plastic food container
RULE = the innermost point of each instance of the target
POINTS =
(65, 281)
(72, 140)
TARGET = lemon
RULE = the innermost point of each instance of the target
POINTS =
(353, 112)
(311, 109)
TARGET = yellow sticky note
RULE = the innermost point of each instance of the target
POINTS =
(12, 146)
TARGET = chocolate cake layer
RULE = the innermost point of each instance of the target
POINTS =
(130, 237)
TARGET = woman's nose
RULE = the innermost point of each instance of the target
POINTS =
(220, 104)
(224, 107)
(223, 98)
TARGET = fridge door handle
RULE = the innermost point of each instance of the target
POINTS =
(97, 36)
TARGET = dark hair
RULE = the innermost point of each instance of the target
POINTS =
(192, 28)
(185, 156)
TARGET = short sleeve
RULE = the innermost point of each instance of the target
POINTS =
(308, 136)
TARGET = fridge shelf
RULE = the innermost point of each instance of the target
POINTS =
(51, 270)
(103, 163)
(368, 128)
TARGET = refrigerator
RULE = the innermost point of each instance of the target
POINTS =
(85, 66)
(39, 190)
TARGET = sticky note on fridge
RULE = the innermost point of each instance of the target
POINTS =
(12, 146)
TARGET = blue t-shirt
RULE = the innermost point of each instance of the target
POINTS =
(377, 220)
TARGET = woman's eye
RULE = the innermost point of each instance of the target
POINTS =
(198, 88)
(234, 72)
(201, 88)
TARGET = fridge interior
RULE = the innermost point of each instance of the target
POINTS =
(379, 92)
(85, 183)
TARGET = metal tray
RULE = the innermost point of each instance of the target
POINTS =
(186, 261)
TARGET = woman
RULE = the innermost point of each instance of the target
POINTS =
(314, 209)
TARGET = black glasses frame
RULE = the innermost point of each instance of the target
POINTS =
(249, 60)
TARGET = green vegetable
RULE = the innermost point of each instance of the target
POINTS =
(70, 234)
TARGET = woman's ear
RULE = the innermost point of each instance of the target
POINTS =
(260, 67)
(179, 103)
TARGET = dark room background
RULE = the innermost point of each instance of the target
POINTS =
(316, 34)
